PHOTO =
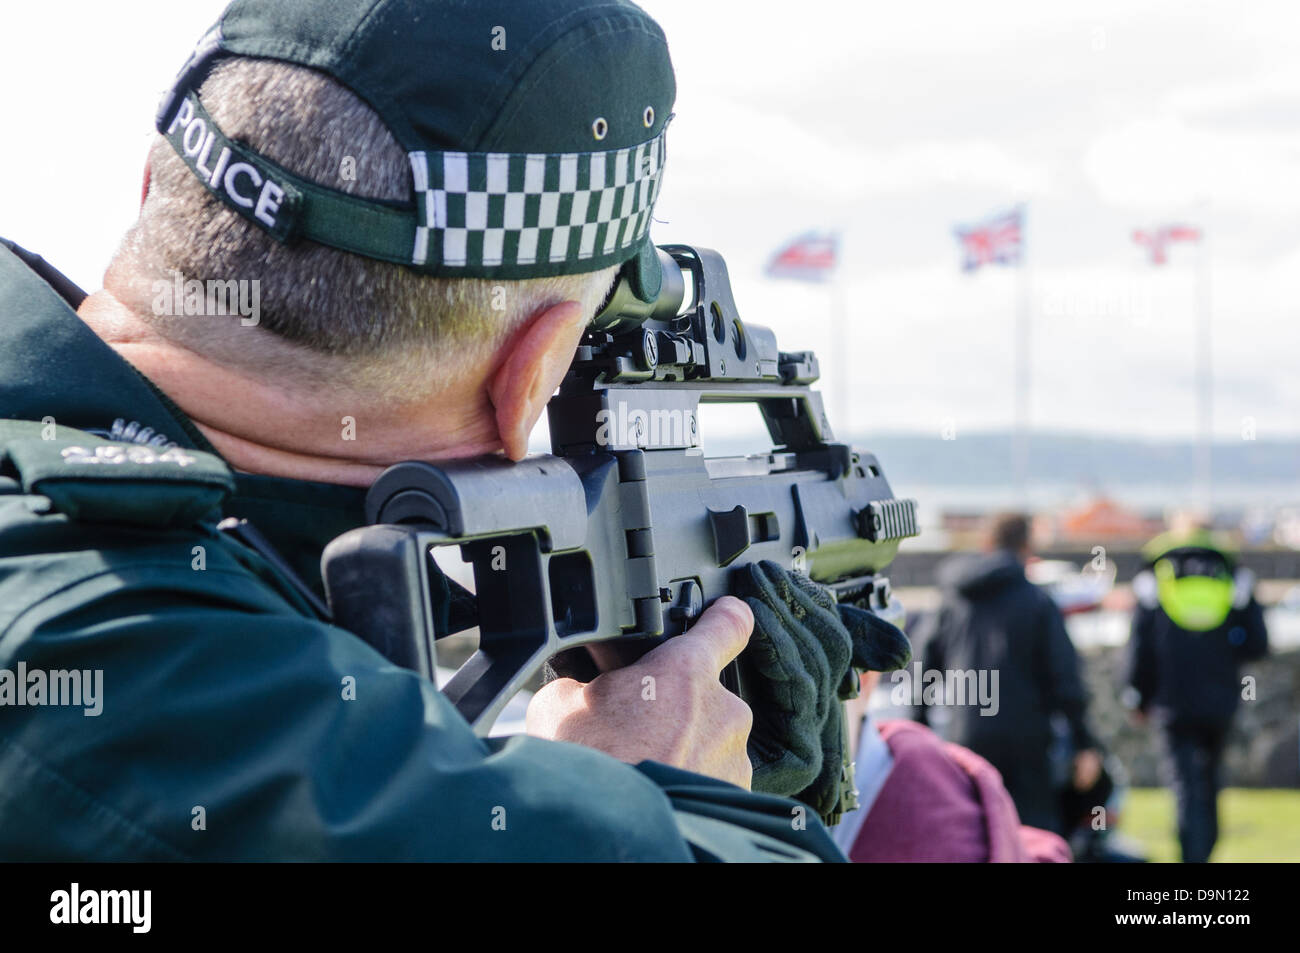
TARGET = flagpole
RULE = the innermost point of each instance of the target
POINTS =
(1021, 349)
(822, 264)
(839, 352)
(1204, 373)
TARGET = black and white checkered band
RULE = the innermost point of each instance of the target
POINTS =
(528, 213)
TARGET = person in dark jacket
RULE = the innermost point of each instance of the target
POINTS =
(1195, 622)
(996, 624)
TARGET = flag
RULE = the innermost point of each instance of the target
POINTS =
(1157, 240)
(995, 241)
(810, 257)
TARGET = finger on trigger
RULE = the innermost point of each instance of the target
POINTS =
(725, 626)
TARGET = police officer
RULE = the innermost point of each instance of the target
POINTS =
(371, 231)
(1196, 621)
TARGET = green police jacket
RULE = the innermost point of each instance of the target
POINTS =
(167, 694)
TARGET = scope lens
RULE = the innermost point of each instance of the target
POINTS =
(623, 310)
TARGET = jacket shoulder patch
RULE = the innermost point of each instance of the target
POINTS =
(96, 480)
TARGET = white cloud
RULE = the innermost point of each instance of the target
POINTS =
(1167, 162)
(716, 151)
(1240, 93)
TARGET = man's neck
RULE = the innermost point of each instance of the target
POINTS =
(328, 434)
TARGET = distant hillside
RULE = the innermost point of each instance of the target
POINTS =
(1080, 459)
(976, 471)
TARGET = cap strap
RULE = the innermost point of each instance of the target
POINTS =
(276, 200)
(503, 215)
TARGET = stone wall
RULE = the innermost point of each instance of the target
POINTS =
(1264, 747)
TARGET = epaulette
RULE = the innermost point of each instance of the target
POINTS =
(88, 478)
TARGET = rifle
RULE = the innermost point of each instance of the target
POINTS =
(625, 531)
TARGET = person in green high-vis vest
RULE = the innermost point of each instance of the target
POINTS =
(1195, 622)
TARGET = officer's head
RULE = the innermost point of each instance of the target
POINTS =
(1008, 532)
(1198, 581)
(411, 183)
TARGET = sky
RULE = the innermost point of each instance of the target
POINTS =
(890, 123)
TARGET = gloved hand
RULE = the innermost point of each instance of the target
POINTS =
(799, 665)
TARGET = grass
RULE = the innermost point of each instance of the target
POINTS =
(1254, 824)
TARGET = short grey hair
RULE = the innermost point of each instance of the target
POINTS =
(375, 325)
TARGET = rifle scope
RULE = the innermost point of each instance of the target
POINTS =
(624, 311)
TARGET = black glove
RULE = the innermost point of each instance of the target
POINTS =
(799, 665)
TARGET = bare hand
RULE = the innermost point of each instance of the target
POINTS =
(1087, 769)
(668, 706)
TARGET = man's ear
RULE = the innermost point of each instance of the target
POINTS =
(535, 362)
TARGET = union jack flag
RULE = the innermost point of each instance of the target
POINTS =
(1157, 240)
(810, 257)
(994, 241)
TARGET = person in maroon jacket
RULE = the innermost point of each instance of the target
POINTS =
(925, 799)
